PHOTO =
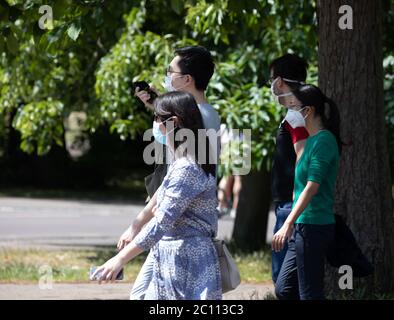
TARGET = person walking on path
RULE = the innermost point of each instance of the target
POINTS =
(180, 235)
(287, 73)
(310, 226)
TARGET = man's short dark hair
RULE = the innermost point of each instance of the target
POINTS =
(291, 67)
(196, 61)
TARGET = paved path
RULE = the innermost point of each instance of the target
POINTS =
(65, 223)
(118, 291)
(73, 223)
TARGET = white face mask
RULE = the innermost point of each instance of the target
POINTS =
(277, 96)
(168, 84)
(295, 118)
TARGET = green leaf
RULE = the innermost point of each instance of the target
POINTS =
(74, 30)
(37, 33)
(60, 8)
(12, 44)
(4, 12)
(1, 44)
(17, 31)
(177, 6)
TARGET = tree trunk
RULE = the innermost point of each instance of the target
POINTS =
(351, 72)
(250, 224)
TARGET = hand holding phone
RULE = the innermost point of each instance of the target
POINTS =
(143, 85)
(97, 277)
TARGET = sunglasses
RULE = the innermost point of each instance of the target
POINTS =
(161, 118)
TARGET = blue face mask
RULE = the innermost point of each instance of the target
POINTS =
(159, 136)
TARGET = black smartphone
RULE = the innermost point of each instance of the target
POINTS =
(143, 85)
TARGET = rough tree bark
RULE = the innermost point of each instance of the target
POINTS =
(351, 72)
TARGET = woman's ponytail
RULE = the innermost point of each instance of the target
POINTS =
(331, 120)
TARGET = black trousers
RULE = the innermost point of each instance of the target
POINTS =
(302, 272)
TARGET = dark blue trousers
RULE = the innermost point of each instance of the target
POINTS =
(282, 211)
(302, 272)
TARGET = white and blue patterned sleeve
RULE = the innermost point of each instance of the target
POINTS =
(184, 184)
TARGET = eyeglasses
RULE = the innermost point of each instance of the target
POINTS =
(169, 71)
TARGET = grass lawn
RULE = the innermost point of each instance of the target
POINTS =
(23, 265)
(254, 267)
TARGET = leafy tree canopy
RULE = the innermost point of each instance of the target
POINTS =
(96, 48)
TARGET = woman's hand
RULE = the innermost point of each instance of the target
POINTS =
(280, 238)
(129, 234)
(110, 269)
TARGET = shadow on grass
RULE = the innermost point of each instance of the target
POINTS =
(113, 195)
(100, 254)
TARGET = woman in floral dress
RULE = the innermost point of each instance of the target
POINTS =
(180, 235)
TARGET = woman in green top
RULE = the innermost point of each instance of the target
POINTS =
(310, 225)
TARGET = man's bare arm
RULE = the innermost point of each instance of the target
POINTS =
(147, 213)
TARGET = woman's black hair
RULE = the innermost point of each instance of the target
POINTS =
(326, 108)
(183, 105)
